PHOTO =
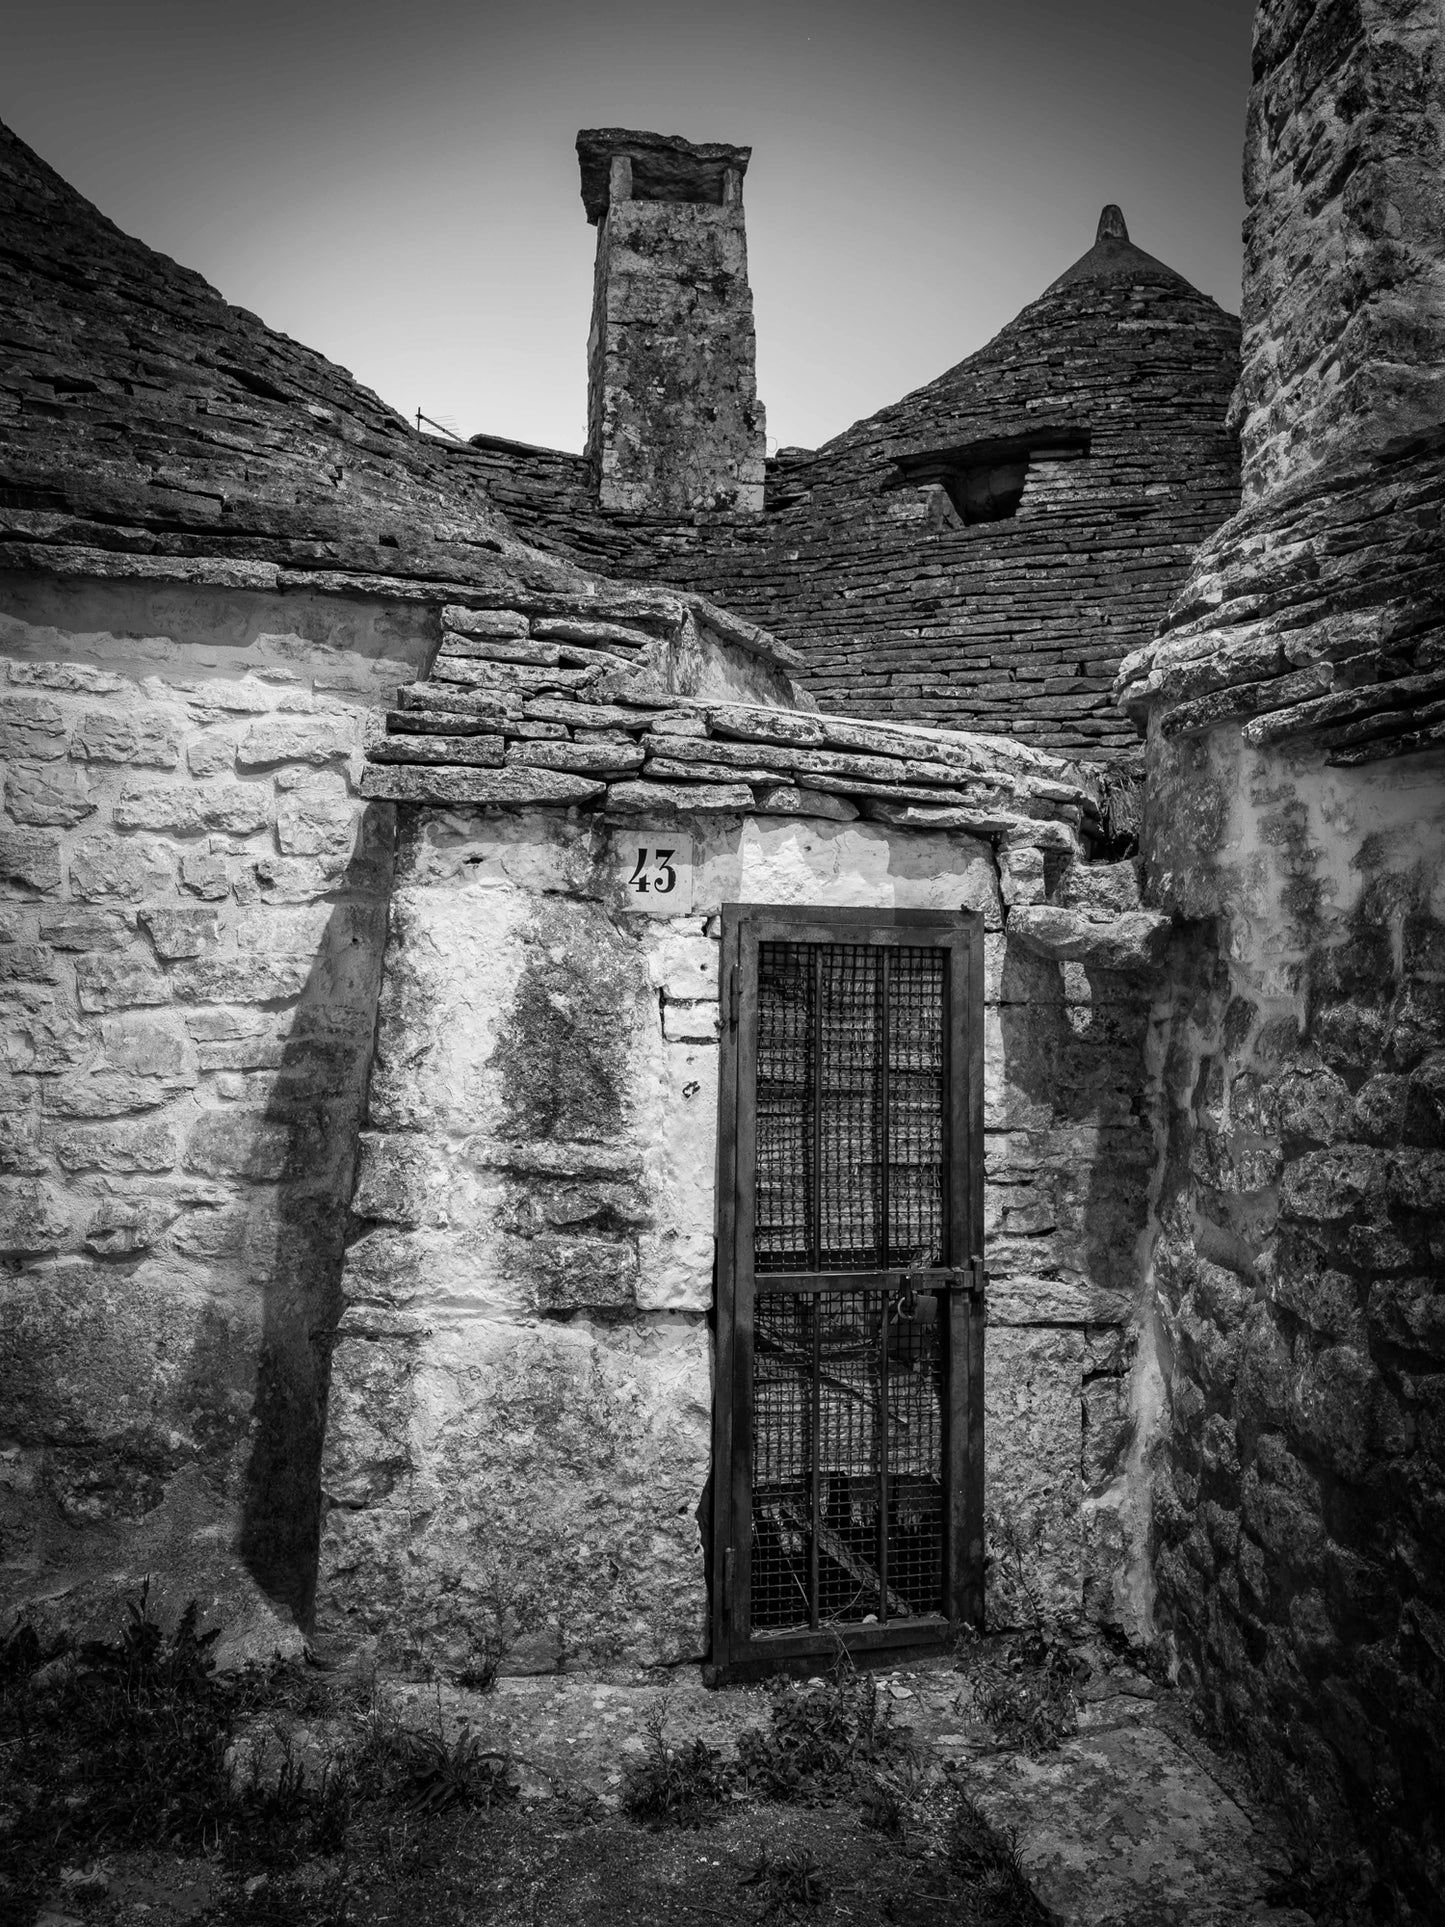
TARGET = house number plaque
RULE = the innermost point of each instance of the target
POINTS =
(655, 871)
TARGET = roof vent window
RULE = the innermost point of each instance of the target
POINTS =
(985, 481)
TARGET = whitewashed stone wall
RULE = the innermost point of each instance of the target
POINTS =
(519, 1429)
(192, 912)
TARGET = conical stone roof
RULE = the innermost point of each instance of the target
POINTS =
(142, 414)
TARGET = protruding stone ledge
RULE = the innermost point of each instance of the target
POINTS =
(509, 788)
(1134, 942)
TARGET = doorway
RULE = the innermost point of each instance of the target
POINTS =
(848, 1415)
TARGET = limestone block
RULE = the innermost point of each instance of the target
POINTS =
(121, 1227)
(1021, 875)
(1102, 891)
(368, 1444)
(251, 1145)
(637, 798)
(240, 980)
(1107, 1428)
(581, 1272)
(212, 752)
(1136, 941)
(787, 799)
(787, 861)
(32, 728)
(20, 1152)
(28, 963)
(204, 874)
(402, 1179)
(690, 1023)
(454, 962)
(30, 858)
(116, 983)
(316, 817)
(483, 622)
(72, 678)
(184, 809)
(294, 739)
(675, 1270)
(111, 866)
(148, 1146)
(44, 1039)
(180, 933)
(33, 1216)
(103, 1094)
(507, 788)
(586, 759)
(1033, 1489)
(146, 740)
(681, 961)
(555, 1473)
(1022, 1299)
(47, 798)
(79, 928)
(1040, 1071)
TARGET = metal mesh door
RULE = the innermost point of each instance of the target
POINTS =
(848, 1381)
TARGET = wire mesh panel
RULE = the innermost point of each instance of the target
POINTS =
(847, 1432)
(851, 1097)
(851, 1093)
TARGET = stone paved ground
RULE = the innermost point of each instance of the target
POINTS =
(1133, 1822)
(1130, 1823)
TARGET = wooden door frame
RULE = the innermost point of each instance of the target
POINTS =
(735, 1653)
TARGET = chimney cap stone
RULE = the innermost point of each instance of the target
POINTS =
(665, 167)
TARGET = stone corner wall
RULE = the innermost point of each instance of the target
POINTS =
(1295, 819)
(192, 911)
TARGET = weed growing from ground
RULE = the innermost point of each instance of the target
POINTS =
(681, 1786)
(121, 1740)
(1024, 1689)
(822, 1739)
(791, 1879)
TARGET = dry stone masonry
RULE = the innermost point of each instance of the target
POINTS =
(1296, 809)
(359, 1113)
(536, 1181)
(674, 423)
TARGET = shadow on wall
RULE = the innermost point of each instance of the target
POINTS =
(304, 1141)
(1071, 1162)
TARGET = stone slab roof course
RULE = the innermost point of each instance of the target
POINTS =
(528, 706)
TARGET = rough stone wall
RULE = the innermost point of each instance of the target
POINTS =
(1296, 813)
(1299, 1267)
(1344, 307)
(520, 1421)
(190, 944)
(674, 420)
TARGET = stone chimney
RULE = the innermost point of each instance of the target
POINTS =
(674, 423)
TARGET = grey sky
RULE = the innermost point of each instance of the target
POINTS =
(396, 185)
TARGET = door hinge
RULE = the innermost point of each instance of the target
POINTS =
(730, 1567)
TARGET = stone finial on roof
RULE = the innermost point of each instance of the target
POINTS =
(1111, 225)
